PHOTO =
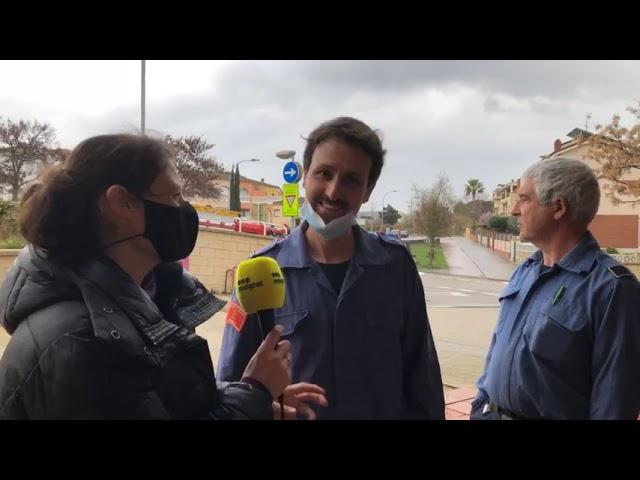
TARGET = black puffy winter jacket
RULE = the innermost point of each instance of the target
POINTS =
(88, 343)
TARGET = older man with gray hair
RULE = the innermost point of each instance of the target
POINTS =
(567, 341)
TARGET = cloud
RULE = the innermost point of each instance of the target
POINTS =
(483, 119)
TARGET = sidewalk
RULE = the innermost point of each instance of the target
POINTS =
(458, 403)
(457, 400)
(468, 258)
(457, 261)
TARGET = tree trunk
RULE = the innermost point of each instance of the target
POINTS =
(431, 253)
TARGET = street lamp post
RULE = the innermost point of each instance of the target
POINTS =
(288, 155)
(383, 197)
(233, 166)
(142, 96)
(412, 210)
(413, 204)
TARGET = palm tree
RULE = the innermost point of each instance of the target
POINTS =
(473, 187)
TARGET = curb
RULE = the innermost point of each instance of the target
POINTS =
(465, 276)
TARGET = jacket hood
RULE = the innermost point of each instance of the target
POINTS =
(32, 283)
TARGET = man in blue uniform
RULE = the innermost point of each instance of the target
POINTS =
(567, 341)
(355, 310)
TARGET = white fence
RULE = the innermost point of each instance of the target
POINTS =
(522, 250)
(517, 251)
(627, 258)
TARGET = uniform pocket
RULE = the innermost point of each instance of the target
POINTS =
(290, 321)
(509, 292)
(563, 315)
(506, 300)
(305, 346)
(558, 335)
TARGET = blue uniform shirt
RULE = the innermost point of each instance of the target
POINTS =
(567, 341)
(370, 347)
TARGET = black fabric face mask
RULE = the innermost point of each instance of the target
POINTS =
(171, 230)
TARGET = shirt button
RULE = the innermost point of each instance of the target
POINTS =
(115, 334)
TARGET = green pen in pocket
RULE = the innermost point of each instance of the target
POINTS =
(559, 294)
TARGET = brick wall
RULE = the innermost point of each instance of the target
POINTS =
(218, 252)
(619, 231)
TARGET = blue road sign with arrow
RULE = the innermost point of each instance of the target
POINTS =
(291, 172)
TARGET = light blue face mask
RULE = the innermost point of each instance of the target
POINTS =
(335, 228)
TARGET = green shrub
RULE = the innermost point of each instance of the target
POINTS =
(512, 226)
(8, 220)
(9, 235)
(13, 242)
(498, 224)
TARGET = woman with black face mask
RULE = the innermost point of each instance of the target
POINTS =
(101, 315)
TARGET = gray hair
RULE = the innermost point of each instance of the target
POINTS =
(570, 179)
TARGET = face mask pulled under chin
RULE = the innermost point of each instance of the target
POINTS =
(334, 229)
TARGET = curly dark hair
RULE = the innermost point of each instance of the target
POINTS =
(353, 132)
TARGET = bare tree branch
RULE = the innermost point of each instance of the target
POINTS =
(616, 149)
(434, 216)
(25, 146)
(196, 168)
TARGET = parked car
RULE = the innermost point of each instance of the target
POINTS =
(246, 225)
(250, 226)
(210, 223)
(276, 230)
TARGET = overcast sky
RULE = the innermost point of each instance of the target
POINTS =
(483, 119)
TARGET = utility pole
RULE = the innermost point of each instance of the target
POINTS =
(142, 97)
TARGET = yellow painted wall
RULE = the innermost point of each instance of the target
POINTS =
(7, 257)
(216, 251)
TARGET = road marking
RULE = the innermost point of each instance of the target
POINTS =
(492, 294)
(457, 294)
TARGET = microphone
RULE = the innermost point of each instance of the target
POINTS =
(260, 289)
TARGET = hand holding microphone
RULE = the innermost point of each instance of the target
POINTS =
(260, 289)
(270, 365)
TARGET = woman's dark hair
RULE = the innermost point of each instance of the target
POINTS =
(59, 213)
(353, 132)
